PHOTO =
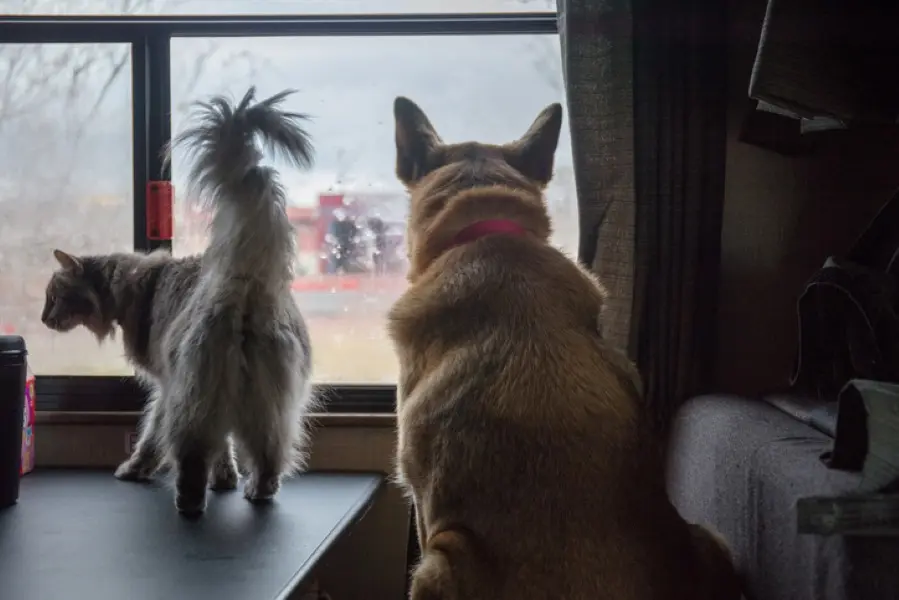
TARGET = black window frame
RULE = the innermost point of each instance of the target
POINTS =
(150, 39)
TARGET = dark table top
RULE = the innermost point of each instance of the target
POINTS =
(83, 534)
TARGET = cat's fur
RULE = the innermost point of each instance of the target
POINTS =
(521, 434)
(218, 336)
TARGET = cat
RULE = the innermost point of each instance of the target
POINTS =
(218, 337)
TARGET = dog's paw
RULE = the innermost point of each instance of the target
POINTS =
(134, 470)
(261, 489)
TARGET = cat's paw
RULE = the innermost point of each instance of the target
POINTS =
(134, 469)
(190, 487)
(261, 489)
(223, 476)
(190, 502)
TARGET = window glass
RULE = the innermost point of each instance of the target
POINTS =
(270, 7)
(66, 182)
(349, 210)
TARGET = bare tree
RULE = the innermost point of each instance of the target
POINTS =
(65, 133)
(33, 74)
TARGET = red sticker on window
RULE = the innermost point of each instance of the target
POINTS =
(160, 202)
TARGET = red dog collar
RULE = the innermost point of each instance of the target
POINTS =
(484, 228)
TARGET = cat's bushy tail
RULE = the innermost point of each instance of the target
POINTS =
(250, 235)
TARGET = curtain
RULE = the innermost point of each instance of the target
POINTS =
(646, 85)
(597, 64)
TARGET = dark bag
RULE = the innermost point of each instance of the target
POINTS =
(849, 329)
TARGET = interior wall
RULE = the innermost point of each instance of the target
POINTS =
(783, 216)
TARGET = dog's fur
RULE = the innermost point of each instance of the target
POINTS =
(219, 336)
(522, 441)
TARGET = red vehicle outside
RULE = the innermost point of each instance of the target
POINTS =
(351, 252)
(351, 263)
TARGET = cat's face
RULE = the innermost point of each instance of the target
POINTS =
(71, 299)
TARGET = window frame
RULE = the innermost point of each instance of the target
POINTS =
(150, 39)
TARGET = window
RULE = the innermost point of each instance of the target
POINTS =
(487, 88)
(116, 96)
(65, 147)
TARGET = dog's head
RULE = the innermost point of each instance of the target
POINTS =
(454, 185)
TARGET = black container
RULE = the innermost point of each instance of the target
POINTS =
(13, 370)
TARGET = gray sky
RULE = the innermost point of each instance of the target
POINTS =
(66, 177)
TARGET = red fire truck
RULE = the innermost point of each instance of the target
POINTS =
(351, 234)
(351, 252)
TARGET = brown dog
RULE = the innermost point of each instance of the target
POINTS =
(521, 438)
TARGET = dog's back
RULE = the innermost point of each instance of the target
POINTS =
(521, 434)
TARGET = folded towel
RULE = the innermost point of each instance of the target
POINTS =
(806, 125)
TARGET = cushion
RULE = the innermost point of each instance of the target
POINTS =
(739, 465)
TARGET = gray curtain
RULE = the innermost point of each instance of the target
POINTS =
(597, 42)
(647, 98)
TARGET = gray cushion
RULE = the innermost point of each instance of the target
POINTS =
(740, 465)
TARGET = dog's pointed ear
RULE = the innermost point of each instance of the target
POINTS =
(533, 154)
(416, 141)
(68, 262)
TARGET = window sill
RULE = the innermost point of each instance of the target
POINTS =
(238, 551)
(339, 442)
(123, 395)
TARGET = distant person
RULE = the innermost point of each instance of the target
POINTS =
(343, 233)
(379, 256)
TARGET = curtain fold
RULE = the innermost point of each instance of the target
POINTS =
(647, 97)
(596, 38)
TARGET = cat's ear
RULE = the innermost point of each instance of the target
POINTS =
(416, 141)
(68, 262)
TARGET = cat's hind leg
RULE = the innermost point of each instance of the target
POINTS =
(224, 474)
(194, 427)
(269, 426)
(266, 441)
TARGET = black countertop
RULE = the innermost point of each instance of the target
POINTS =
(83, 534)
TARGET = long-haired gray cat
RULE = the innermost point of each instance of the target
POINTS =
(219, 336)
